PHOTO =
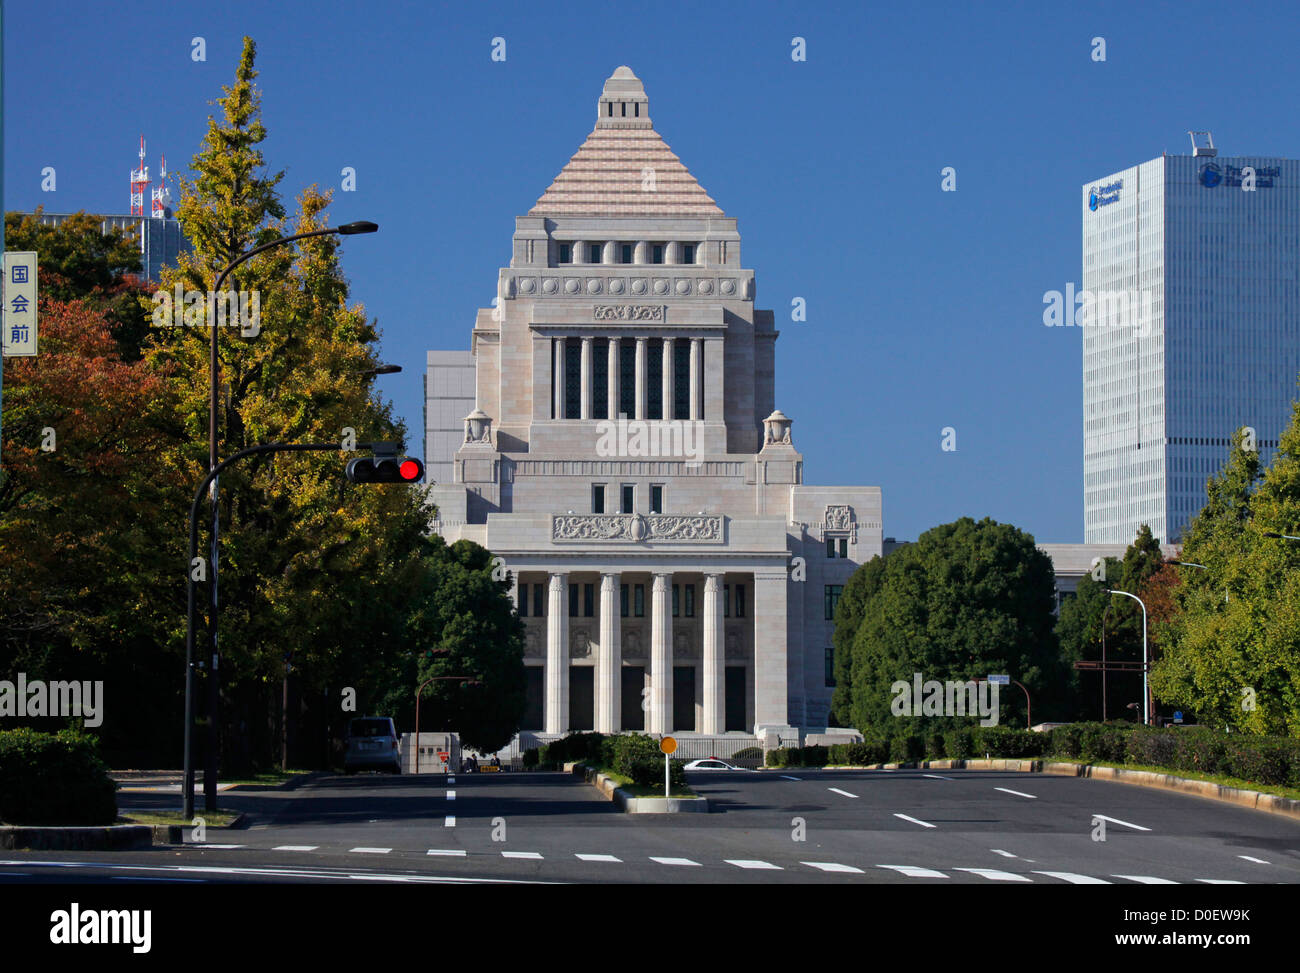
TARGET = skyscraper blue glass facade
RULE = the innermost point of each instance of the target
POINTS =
(1191, 330)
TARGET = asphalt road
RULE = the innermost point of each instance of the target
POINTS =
(840, 827)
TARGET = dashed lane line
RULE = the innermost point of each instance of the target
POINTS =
(451, 795)
(675, 861)
(1008, 790)
(1257, 861)
(204, 844)
(1146, 879)
(908, 817)
(449, 852)
(751, 863)
(1126, 824)
(295, 847)
(598, 858)
(833, 867)
(936, 776)
(369, 851)
(838, 791)
(1219, 881)
(530, 855)
(786, 777)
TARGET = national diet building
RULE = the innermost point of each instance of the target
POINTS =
(612, 434)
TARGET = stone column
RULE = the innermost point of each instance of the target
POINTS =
(579, 251)
(609, 662)
(697, 364)
(558, 380)
(769, 611)
(661, 657)
(585, 375)
(641, 252)
(640, 377)
(668, 378)
(556, 716)
(613, 380)
(715, 713)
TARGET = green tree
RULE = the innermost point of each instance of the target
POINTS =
(965, 600)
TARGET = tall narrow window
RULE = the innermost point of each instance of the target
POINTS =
(593, 253)
(573, 601)
(638, 599)
(830, 666)
(726, 601)
(588, 600)
(831, 598)
(627, 379)
(625, 251)
(677, 600)
(629, 498)
(830, 547)
(688, 253)
(610, 106)
(690, 601)
(682, 379)
(740, 601)
(657, 253)
(598, 498)
(654, 376)
(539, 600)
(566, 253)
(657, 498)
(572, 379)
(600, 381)
(844, 547)
(523, 601)
(622, 600)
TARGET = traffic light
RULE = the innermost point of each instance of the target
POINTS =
(384, 469)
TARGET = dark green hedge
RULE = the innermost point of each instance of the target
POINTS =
(631, 754)
(54, 779)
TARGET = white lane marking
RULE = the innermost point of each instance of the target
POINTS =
(598, 858)
(924, 824)
(282, 872)
(205, 845)
(1146, 879)
(833, 867)
(1135, 827)
(995, 874)
(838, 791)
(1074, 879)
(784, 777)
(1008, 790)
(674, 861)
(1257, 861)
(450, 822)
(1004, 854)
(531, 855)
(452, 852)
(451, 795)
(369, 851)
(451, 780)
(937, 776)
(154, 878)
(750, 863)
(295, 847)
(1220, 881)
(913, 871)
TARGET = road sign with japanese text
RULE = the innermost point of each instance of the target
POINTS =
(19, 299)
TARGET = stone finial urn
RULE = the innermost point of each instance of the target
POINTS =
(478, 427)
(776, 429)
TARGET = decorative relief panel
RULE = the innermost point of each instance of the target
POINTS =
(734, 649)
(534, 644)
(682, 645)
(636, 527)
(580, 643)
(633, 647)
(839, 517)
(628, 312)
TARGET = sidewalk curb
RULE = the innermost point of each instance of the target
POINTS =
(637, 805)
(174, 834)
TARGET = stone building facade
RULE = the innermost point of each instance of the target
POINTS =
(626, 460)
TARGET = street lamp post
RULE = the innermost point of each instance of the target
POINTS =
(210, 769)
(1146, 664)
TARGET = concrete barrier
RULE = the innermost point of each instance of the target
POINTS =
(610, 790)
(117, 837)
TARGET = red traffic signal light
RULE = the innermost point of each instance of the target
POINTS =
(384, 469)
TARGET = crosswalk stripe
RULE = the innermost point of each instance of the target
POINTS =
(838, 791)
(1219, 881)
(450, 822)
(370, 851)
(749, 863)
(598, 858)
(451, 795)
(995, 874)
(1008, 790)
(206, 845)
(451, 852)
(533, 855)
(295, 847)
(1146, 879)
(833, 867)
(674, 861)
(913, 871)
(1074, 879)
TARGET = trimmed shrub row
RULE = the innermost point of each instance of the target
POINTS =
(633, 755)
(54, 779)
(1262, 760)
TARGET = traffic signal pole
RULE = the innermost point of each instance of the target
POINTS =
(210, 782)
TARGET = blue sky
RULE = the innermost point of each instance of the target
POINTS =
(924, 307)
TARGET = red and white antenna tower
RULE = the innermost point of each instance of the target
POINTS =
(139, 183)
(162, 195)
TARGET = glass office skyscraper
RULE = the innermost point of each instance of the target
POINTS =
(1191, 310)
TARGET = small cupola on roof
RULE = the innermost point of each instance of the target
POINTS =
(624, 168)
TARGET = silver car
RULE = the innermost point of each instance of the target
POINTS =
(372, 745)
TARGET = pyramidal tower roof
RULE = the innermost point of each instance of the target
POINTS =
(624, 168)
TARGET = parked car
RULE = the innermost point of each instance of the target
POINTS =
(372, 745)
(712, 763)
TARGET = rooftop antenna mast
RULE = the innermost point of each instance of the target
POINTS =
(162, 195)
(139, 183)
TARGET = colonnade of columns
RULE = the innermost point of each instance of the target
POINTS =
(588, 395)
